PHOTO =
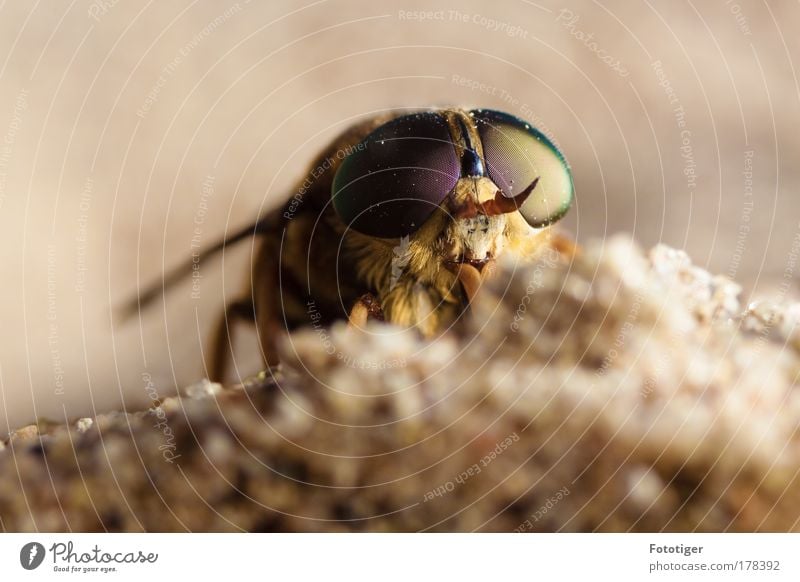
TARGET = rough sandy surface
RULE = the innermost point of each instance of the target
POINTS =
(621, 390)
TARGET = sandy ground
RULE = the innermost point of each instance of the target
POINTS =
(627, 394)
(123, 128)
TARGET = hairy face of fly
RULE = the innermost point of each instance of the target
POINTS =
(423, 279)
(473, 236)
(460, 241)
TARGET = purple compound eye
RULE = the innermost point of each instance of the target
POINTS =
(394, 179)
(516, 154)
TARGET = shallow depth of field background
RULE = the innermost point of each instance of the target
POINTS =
(126, 126)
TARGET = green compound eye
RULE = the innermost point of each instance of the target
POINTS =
(517, 153)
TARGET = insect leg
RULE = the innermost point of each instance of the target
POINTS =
(267, 300)
(564, 245)
(365, 307)
(222, 346)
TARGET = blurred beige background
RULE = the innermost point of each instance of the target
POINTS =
(124, 124)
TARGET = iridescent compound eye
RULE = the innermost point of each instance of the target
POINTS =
(394, 179)
(516, 154)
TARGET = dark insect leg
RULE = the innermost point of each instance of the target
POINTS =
(222, 347)
(266, 297)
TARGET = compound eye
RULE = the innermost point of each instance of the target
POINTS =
(394, 179)
(516, 154)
